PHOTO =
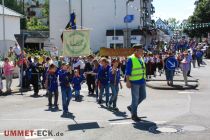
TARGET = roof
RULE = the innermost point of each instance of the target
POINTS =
(9, 12)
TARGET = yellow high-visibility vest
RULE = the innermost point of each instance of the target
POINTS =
(138, 70)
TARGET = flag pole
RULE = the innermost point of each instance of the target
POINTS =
(115, 14)
(4, 35)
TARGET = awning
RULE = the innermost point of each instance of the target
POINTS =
(111, 33)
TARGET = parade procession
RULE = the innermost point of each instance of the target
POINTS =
(115, 69)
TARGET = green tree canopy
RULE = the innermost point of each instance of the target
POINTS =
(200, 15)
(14, 5)
(34, 24)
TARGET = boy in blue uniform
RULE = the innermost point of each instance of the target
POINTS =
(114, 78)
(65, 78)
(76, 82)
(103, 80)
(51, 84)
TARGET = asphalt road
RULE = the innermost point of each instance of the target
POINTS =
(166, 114)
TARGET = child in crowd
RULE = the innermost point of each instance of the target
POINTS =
(76, 83)
(51, 85)
(65, 78)
(95, 73)
(8, 69)
(114, 78)
(103, 79)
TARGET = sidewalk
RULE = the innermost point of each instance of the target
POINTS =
(14, 88)
(160, 83)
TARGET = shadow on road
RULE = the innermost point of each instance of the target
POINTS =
(116, 113)
(148, 126)
(83, 126)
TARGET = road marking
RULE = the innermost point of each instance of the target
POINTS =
(160, 122)
(189, 102)
(132, 122)
(48, 120)
(121, 123)
(186, 92)
(1, 133)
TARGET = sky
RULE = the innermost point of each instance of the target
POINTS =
(179, 9)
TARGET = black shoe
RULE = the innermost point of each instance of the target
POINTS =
(129, 108)
(35, 95)
(65, 114)
(99, 102)
(115, 109)
(56, 108)
(135, 118)
(50, 108)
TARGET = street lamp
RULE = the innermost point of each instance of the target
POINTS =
(127, 2)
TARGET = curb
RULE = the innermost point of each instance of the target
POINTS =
(175, 87)
(14, 91)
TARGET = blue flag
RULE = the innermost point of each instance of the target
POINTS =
(71, 24)
(73, 21)
(128, 18)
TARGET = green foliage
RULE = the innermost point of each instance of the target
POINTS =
(172, 22)
(200, 15)
(45, 10)
(33, 53)
(14, 5)
(34, 24)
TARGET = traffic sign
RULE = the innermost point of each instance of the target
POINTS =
(171, 63)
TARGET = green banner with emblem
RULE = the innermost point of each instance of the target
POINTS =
(76, 43)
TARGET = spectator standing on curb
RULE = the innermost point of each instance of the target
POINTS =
(8, 69)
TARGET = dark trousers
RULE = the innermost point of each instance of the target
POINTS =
(35, 83)
(36, 87)
(55, 98)
(91, 87)
(91, 84)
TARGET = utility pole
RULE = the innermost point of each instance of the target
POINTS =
(4, 35)
(81, 14)
(115, 15)
(69, 10)
(127, 24)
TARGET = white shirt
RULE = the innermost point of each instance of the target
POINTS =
(79, 63)
(17, 50)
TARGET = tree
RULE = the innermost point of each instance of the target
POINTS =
(45, 10)
(34, 24)
(172, 22)
(201, 15)
(14, 5)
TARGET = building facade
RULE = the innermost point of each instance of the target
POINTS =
(104, 19)
(12, 27)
